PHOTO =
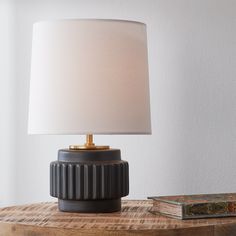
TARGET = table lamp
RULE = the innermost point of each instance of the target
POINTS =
(88, 77)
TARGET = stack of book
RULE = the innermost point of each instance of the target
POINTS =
(195, 206)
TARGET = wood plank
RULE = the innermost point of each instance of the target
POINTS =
(135, 218)
(26, 230)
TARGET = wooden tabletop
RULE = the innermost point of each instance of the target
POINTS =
(44, 219)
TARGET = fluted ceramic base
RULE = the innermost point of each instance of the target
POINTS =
(89, 180)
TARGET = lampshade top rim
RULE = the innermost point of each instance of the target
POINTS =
(90, 19)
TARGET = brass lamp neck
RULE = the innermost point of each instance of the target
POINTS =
(89, 145)
(89, 140)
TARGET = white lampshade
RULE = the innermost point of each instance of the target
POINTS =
(89, 76)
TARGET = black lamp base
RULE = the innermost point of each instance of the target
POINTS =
(93, 206)
(89, 181)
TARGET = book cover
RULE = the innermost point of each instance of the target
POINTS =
(195, 206)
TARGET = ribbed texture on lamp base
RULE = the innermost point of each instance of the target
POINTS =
(86, 181)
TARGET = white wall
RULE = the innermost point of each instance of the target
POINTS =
(192, 59)
(7, 104)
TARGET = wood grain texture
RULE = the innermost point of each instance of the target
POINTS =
(134, 219)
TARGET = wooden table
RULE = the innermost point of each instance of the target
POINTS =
(44, 219)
